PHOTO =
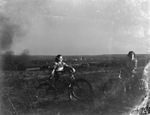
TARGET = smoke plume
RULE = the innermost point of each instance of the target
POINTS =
(9, 31)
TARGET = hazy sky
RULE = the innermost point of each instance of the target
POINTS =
(74, 27)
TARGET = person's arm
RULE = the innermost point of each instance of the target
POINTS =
(73, 70)
(68, 66)
(53, 71)
(135, 65)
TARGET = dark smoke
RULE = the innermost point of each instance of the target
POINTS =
(15, 62)
(8, 31)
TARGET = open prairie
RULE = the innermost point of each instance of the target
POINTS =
(22, 74)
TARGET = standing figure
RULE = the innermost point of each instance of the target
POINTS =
(130, 64)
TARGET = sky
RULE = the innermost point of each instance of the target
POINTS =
(74, 27)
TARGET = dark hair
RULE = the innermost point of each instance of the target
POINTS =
(57, 58)
(131, 52)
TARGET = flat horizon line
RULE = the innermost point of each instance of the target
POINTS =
(85, 55)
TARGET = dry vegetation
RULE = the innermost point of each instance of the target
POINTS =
(18, 86)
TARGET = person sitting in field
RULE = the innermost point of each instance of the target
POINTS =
(130, 65)
(59, 67)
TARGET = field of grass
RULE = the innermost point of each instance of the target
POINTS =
(18, 87)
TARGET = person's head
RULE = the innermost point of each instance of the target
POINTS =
(131, 55)
(59, 58)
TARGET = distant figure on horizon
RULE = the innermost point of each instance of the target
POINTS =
(59, 67)
(131, 64)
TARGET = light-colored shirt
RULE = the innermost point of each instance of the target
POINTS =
(60, 66)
